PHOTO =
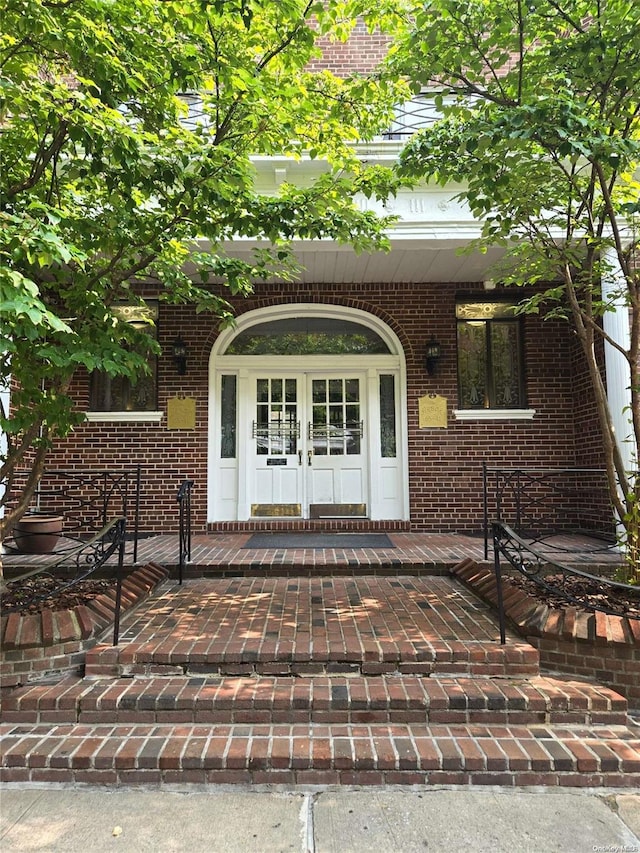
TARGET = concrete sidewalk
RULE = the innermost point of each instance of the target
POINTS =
(342, 820)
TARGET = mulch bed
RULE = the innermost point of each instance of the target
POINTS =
(591, 594)
(43, 588)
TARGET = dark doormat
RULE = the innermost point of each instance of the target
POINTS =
(319, 540)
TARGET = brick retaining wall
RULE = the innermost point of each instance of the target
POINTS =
(37, 646)
(590, 645)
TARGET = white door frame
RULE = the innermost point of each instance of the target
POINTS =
(228, 493)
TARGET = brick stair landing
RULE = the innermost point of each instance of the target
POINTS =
(302, 626)
(303, 658)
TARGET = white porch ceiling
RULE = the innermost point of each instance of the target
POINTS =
(416, 260)
(401, 264)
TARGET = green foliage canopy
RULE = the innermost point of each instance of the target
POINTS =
(112, 176)
(540, 123)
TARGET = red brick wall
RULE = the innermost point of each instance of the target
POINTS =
(445, 465)
(615, 665)
(588, 432)
(359, 55)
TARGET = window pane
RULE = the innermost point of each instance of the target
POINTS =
(472, 365)
(352, 415)
(319, 424)
(307, 336)
(505, 365)
(387, 417)
(228, 418)
(336, 415)
(119, 394)
(263, 390)
(352, 390)
(335, 391)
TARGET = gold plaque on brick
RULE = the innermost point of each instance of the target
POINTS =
(181, 413)
(432, 411)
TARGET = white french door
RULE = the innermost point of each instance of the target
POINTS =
(275, 457)
(308, 445)
(336, 445)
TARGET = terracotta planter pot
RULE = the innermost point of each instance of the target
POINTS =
(37, 534)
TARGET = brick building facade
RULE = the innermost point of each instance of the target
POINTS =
(443, 464)
(409, 460)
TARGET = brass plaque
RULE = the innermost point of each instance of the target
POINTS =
(276, 510)
(432, 411)
(338, 510)
(181, 413)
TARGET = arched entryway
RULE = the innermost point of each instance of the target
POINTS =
(307, 417)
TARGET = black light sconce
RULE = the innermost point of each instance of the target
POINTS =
(432, 356)
(180, 355)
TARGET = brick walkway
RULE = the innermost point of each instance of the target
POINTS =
(413, 553)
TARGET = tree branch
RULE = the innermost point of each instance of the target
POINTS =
(42, 160)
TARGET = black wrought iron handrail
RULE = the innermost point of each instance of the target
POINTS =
(550, 575)
(85, 558)
(542, 503)
(184, 501)
(87, 498)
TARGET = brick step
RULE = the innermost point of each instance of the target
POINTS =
(338, 565)
(318, 699)
(155, 755)
(355, 655)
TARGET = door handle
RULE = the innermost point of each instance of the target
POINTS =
(299, 457)
(309, 456)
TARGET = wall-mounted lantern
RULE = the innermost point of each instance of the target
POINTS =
(180, 355)
(433, 352)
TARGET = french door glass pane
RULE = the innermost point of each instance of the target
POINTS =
(336, 391)
(387, 417)
(228, 418)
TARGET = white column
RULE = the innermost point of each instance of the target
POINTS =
(616, 325)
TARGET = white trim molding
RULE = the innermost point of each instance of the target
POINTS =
(494, 414)
(616, 324)
(124, 417)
